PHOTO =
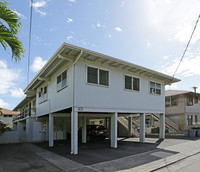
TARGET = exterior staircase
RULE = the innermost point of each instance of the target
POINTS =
(169, 123)
(124, 122)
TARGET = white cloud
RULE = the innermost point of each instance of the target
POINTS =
(69, 37)
(188, 67)
(8, 77)
(17, 92)
(38, 63)
(118, 29)
(148, 44)
(122, 4)
(165, 57)
(69, 20)
(3, 104)
(72, 0)
(110, 36)
(39, 4)
(173, 19)
(19, 14)
(97, 25)
(173, 86)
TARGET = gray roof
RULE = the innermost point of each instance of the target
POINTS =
(177, 92)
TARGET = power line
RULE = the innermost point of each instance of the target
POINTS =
(29, 44)
(187, 45)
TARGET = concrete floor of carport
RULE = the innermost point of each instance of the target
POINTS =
(100, 151)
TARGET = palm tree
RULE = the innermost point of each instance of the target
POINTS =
(10, 24)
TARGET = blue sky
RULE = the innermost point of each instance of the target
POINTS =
(150, 33)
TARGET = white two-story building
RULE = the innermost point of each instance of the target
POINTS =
(77, 84)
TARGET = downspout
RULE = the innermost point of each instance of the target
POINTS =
(73, 101)
(73, 79)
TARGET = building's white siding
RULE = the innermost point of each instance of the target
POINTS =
(56, 100)
(114, 96)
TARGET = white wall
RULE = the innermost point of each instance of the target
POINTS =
(9, 137)
(56, 100)
(114, 96)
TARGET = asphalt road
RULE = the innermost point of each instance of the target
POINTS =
(16, 158)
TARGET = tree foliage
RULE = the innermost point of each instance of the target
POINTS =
(10, 24)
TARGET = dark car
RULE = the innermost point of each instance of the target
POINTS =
(95, 132)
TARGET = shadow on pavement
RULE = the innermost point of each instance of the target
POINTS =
(100, 151)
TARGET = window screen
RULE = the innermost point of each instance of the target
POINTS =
(103, 77)
(92, 75)
(128, 84)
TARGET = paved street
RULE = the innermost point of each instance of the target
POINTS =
(161, 155)
(15, 158)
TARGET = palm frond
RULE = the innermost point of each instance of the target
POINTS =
(10, 24)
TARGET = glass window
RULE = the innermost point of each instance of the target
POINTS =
(167, 101)
(132, 83)
(190, 119)
(92, 75)
(128, 84)
(136, 84)
(174, 100)
(196, 100)
(195, 119)
(152, 87)
(62, 80)
(155, 88)
(103, 77)
(59, 82)
(97, 76)
(40, 97)
(45, 93)
(158, 88)
(190, 101)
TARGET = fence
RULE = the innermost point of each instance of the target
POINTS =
(9, 137)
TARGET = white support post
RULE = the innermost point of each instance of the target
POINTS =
(114, 130)
(130, 126)
(51, 130)
(84, 130)
(47, 130)
(72, 132)
(142, 127)
(75, 132)
(162, 126)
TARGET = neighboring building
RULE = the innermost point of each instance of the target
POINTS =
(6, 116)
(77, 85)
(183, 108)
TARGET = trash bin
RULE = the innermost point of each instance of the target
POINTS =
(198, 132)
(192, 133)
(187, 133)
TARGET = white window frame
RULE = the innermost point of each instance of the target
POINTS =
(45, 94)
(98, 76)
(61, 82)
(154, 93)
(131, 83)
(41, 96)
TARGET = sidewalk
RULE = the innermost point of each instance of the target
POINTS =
(165, 153)
(188, 149)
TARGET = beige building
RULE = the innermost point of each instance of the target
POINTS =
(183, 108)
(6, 116)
